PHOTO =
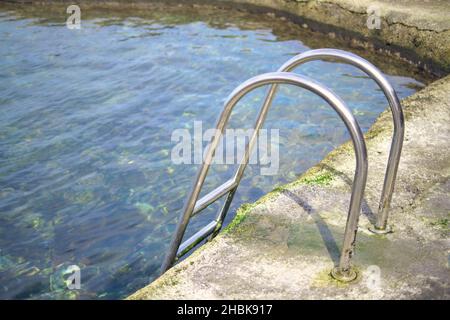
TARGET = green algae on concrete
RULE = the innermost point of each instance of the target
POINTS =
(320, 179)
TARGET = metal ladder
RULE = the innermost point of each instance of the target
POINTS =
(193, 205)
(373, 72)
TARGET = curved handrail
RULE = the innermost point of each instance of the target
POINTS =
(395, 106)
(344, 271)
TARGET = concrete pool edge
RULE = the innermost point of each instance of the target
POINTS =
(418, 33)
(199, 275)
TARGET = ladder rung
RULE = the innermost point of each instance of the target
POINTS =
(190, 243)
(213, 196)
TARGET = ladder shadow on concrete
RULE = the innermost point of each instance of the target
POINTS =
(365, 207)
(325, 232)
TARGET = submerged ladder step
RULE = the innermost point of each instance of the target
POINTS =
(217, 193)
(198, 237)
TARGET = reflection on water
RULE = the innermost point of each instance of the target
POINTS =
(86, 118)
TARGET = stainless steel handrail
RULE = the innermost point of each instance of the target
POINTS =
(344, 270)
(380, 226)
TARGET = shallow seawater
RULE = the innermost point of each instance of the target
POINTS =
(86, 118)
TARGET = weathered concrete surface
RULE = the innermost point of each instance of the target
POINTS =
(283, 246)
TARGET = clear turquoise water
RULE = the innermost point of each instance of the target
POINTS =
(86, 118)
